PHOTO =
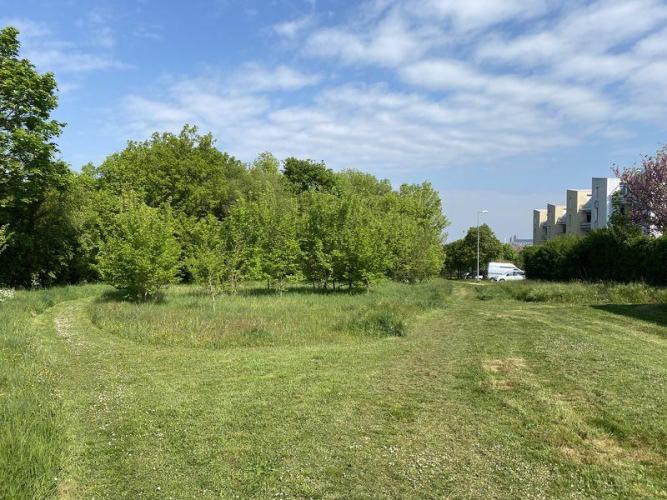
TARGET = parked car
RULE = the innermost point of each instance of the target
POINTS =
(513, 276)
(501, 269)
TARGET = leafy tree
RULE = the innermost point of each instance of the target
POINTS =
(361, 183)
(509, 253)
(266, 163)
(4, 237)
(646, 192)
(417, 252)
(29, 171)
(264, 176)
(415, 232)
(318, 228)
(184, 170)
(459, 258)
(140, 253)
(462, 257)
(423, 203)
(208, 260)
(276, 219)
(242, 249)
(304, 175)
(490, 248)
(552, 259)
(360, 253)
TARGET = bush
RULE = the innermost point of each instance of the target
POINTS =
(141, 254)
(382, 322)
(552, 260)
(575, 293)
(603, 255)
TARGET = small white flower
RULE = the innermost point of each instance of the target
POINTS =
(6, 294)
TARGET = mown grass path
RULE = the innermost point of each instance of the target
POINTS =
(481, 399)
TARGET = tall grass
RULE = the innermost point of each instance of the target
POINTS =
(31, 439)
(187, 317)
(574, 292)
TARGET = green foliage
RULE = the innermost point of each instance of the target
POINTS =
(383, 323)
(551, 260)
(232, 221)
(277, 219)
(343, 241)
(304, 175)
(208, 258)
(361, 183)
(184, 170)
(29, 172)
(574, 293)
(4, 237)
(360, 254)
(140, 254)
(461, 255)
(602, 255)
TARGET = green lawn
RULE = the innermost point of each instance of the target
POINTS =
(498, 390)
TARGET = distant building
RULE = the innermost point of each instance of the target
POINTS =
(519, 243)
(585, 209)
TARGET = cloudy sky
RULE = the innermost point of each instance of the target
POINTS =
(501, 104)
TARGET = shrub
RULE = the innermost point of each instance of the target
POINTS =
(603, 255)
(141, 254)
(575, 293)
(552, 260)
(382, 322)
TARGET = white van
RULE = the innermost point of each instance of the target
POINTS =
(501, 271)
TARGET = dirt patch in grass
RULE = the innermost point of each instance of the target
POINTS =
(507, 365)
(605, 451)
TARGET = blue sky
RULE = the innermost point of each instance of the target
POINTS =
(501, 104)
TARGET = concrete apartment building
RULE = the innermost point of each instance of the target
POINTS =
(584, 210)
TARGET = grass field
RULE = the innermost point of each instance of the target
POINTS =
(442, 389)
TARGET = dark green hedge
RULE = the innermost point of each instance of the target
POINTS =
(603, 255)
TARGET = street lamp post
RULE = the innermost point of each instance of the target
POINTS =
(480, 212)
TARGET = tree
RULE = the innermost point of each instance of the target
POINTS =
(4, 237)
(462, 257)
(360, 254)
(208, 260)
(29, 171)
(140, 254)
(459, 258)
(184, 170)
(551, 260)
(361, 183)
(277, 220)
(318, 226)
(304, 175)
(417, 253)
(415, 232)
(646, 192)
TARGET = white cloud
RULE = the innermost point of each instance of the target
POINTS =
(459, 84)
(391, 42)
(290, 29)
(477, 14)
(48, 52)
(589, 32)
(259, 78)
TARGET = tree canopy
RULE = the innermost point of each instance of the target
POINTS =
(30, 173)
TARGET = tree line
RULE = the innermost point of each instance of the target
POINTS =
(175, 208)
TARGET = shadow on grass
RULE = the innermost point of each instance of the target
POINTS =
(301, 290)
(122, 296)
(292, 290)
(654, 313)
